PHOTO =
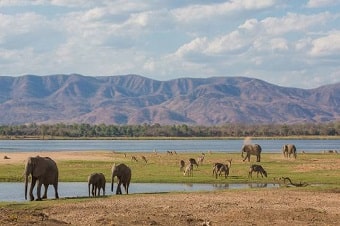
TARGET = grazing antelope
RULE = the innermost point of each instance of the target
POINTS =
(189, 170)
(258, 169)
(145, 160)
(200, 160)
(193, 162)
(182, 164)
(218, 168)
(134, 158)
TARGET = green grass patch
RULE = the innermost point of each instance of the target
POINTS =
(164, 168)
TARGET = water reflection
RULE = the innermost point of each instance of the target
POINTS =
(15, 191)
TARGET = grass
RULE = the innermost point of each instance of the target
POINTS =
(163, 168)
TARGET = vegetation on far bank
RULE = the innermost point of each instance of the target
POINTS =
(157, 131)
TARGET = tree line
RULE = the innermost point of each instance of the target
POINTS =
(84, 130)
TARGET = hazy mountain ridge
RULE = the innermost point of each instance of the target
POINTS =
(133, 99)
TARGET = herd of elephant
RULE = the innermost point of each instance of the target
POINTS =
(288, 150)
(44, 171)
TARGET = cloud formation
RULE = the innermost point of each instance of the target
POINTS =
(290, 44)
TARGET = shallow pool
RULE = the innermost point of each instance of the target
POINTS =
(15, 191)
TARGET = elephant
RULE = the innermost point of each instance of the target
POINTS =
(123, 173)
(44, 171)
(252, 149)
(98, 181)
(288, 150)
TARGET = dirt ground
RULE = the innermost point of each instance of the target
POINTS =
(247, 207)
(265, 206)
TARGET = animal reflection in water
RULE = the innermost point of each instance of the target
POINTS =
(258, 169)
(258, 185)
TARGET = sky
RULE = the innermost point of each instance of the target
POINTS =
(292, 43)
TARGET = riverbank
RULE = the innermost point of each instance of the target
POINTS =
(283, 206)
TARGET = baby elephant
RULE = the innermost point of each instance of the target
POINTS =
(97, 180)
(258, 169)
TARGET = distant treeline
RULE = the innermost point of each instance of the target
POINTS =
(50, 131)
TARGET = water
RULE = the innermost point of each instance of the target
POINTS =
(269, 146)
(15, 191)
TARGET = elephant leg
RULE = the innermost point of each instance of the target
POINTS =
(45, 192)
(56, 191)
(119, 190)
(34, 181)
(92, 191)
(258, 158)
(39, 191)
(126, 188)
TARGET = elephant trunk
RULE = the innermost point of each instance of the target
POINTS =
(242, 152)
(112, 181)
(26, 182)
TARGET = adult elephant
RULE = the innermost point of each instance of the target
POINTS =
(288, 150)
(44, 171)
(123, 174)
(251, 149)
(98, 181)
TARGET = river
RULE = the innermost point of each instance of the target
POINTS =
(268, 145)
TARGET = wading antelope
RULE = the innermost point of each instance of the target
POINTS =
(189, 170)
(258, 169)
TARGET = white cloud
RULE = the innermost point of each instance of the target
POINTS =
(322, 3)
(168, 39)
(293, 22)
(199, 12)
(326, 46)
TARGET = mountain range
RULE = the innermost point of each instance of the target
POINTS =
(134, 99)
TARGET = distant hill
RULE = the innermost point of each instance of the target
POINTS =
(133, 99)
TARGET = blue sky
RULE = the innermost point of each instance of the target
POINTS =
(293, 43)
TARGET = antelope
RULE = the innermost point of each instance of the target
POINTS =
(218, 168)
(145, 160)
(200, 160)
(189, 170)
(182, 164)
(258, 169)
(193, 162)
(134, 158)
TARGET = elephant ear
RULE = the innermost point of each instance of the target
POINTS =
(113, 167)
(39, 166)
